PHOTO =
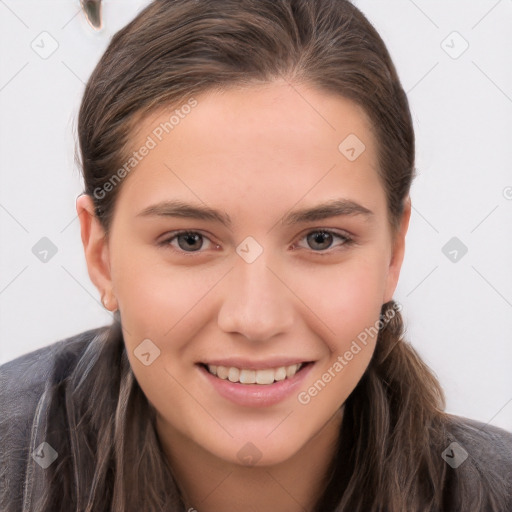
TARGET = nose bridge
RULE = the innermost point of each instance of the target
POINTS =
(256, 303)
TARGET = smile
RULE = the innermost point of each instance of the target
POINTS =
(256, 386)
(247, 376)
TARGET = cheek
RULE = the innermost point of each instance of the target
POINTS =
(163, 304)
(350, 313)
(153, 295)
(346, 297)
(168, 305)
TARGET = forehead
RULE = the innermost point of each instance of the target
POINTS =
(278, 139)
(245, 114)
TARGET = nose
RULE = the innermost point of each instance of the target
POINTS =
(257, 301)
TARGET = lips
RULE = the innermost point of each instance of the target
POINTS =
(255, 395)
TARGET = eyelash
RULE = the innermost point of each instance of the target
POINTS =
(347, 241)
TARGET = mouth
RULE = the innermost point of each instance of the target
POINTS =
(255, 384)
(246, 376)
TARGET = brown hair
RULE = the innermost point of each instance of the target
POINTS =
(170, 52)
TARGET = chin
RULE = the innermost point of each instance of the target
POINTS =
(259, 451)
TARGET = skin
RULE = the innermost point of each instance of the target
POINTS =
(255, 153)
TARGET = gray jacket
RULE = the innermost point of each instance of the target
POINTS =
(473, 448)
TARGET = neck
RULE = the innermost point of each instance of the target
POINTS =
(210, 484)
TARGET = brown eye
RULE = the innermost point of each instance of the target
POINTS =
(192, 241)
(321, 240)
(187, 241)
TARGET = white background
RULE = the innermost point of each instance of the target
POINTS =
(458, 314)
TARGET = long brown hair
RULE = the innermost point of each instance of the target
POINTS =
(109, 454)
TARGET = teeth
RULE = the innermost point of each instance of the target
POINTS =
(243, 376)
(233, 374)
(248, 376)
(222, 372)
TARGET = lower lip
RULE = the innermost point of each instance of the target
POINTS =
(257, 395)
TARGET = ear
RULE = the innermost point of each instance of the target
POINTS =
(398, 251)
(95, 242)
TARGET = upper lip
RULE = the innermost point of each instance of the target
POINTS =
(247, 364)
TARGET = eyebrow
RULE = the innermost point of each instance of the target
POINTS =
(333, 208)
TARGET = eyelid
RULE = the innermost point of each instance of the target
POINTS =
(172, 235)
(347, 238)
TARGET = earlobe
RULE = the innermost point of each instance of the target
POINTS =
(398, 252)
(96, 250)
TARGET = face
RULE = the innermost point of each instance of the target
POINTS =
(260, 286)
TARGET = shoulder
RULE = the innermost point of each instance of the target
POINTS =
(478, 453)
(28, 374)
(486, 445)
(23, 382)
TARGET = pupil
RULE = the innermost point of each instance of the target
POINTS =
(190, 238)
(321, 237)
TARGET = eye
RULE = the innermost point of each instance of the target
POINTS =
(188, 241)
(192, 241)
(321, 239)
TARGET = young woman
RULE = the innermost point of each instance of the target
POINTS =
(247, 167)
